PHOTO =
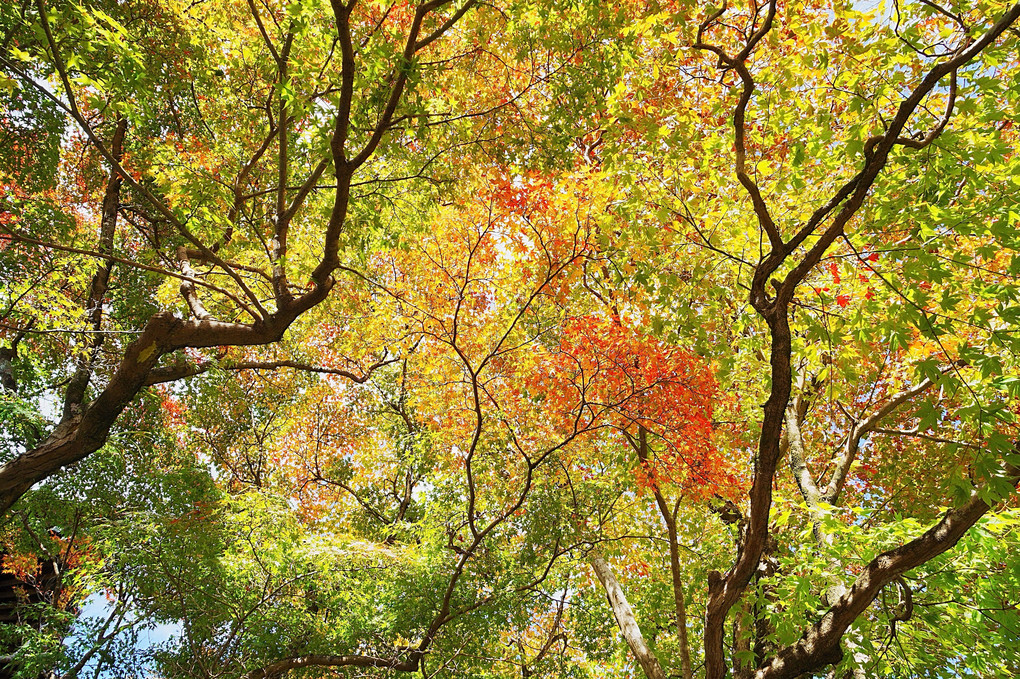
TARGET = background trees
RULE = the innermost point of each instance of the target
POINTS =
(390, 337)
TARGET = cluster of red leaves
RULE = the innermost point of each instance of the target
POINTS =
(843, 299)
(606, 374)
(24, 566)
(172, 408)
(34, 568)
(521, 195)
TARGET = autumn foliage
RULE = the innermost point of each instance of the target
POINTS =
(511, 338)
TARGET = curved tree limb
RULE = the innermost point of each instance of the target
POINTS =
(177, 372)
(820, 645)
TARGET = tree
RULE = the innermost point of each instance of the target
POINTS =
(343, 110)
(416, 331)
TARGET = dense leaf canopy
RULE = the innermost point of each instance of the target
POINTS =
(509, 338)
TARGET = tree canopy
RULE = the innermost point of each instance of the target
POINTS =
(509, 338)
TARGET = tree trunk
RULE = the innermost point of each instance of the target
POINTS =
(625, 619)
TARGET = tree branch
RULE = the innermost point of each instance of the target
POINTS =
(820, 644)
(865, 427)
(178, 372)
(624, 615)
